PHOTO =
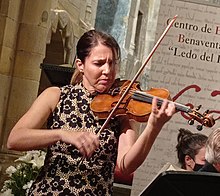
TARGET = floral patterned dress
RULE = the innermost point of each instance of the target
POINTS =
(64, 172)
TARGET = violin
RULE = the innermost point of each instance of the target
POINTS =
(137, 103)
(128, 99)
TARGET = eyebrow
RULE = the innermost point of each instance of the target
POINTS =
(102, 60)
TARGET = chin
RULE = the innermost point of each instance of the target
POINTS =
(103, 89)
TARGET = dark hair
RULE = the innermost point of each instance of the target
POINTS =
(189, 144)
(87, 42)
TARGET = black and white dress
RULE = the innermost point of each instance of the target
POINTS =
(63, 172)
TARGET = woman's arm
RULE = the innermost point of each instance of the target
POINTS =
(133, 150)
(28, 134)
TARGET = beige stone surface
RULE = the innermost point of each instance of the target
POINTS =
(27, 65)
(11, 9)
(6, 61)
(10, 33)
(4, 88)
(34, 11)
(32, 38)
(9, 22)
(24, 93)
(73, 8)
(2, 22)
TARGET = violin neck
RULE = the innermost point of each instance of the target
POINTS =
(147, 98)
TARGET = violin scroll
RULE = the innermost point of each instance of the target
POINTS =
(205, 119)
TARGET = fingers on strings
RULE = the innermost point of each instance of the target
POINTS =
(166, 107)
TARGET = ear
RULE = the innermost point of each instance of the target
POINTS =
(79, 65)
(188, 160)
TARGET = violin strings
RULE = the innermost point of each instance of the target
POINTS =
(142, 96)
(145, 97)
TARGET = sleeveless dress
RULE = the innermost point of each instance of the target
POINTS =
(64, 172)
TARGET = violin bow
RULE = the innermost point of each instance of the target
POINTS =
(137, 74)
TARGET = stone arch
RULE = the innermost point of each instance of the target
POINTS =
(55, 49)
(60, 46)
(61, 25)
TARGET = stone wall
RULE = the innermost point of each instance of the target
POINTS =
(25, 31)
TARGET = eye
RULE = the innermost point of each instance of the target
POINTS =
(110, 63)
(98, 64)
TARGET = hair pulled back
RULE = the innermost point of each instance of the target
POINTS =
(189, 143)
(87, 42)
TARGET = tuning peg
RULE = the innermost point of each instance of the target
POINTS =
(191, 121)
(206, 112)
(199, 127)
(198, 107)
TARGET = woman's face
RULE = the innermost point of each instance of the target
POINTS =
(196, 163)
(99, 70)
(200, 157)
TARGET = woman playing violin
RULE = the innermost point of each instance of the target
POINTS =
(80, 160)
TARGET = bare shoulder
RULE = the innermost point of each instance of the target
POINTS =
(49, 97)
(52, 90)
(41, 108)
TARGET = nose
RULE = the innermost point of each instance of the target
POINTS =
(106, 68)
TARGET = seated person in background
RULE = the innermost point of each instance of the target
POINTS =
(212, 153)
(191, 150)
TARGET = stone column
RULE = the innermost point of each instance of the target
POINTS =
(9, 23)
(30, 52)
(24, 28)
(23, 46)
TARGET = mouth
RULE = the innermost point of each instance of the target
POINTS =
(104, 85)
(104, 81)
